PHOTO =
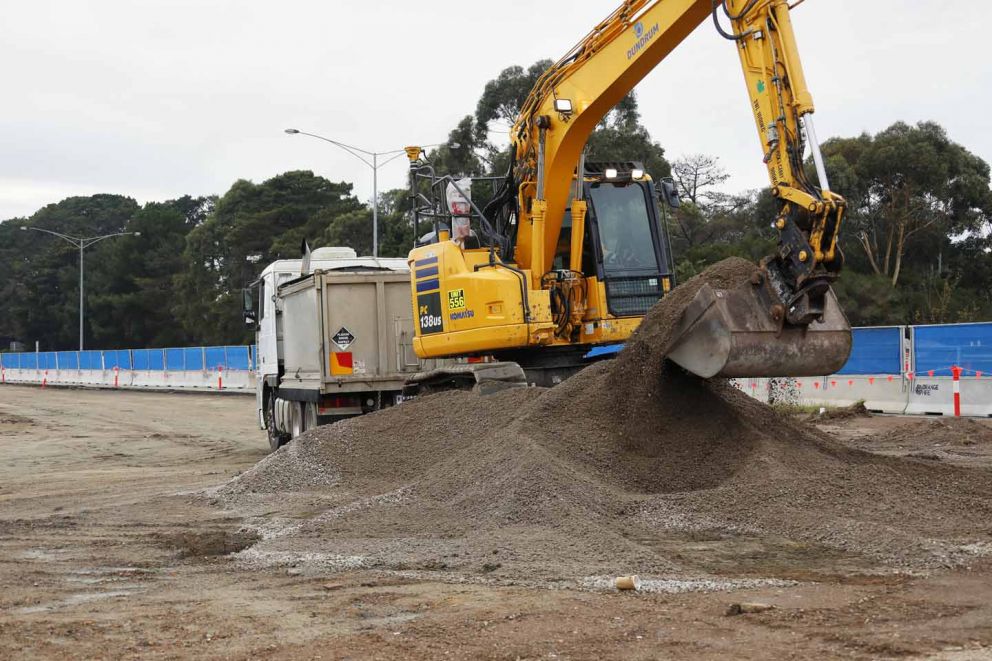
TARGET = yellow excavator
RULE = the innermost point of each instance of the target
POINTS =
(568, 255)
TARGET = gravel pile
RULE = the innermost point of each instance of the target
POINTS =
(627, 467)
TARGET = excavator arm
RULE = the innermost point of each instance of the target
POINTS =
(788, 323)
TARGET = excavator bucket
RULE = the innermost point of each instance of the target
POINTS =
(730, 333)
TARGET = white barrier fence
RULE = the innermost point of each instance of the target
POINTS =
(217, 380)
(881, 393)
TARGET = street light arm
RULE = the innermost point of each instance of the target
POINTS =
(354, 151)
(71, 239)
(375, 164)
(86, 243)
(381, 163)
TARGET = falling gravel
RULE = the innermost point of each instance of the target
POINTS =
(631, 466)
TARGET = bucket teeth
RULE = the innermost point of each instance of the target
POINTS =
(731, 333)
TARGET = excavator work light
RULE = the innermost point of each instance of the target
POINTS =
(563, 106)
(611, 173)
(636, 174)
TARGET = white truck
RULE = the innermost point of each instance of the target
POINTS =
(334, 341)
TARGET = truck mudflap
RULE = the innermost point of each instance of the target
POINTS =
(484, 378)
(731, 333)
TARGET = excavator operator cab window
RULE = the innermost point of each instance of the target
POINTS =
(633, 261)
(625, 228)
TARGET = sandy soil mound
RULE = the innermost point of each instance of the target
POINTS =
(960, 432)
(597, 477)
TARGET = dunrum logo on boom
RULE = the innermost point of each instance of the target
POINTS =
(643, 37)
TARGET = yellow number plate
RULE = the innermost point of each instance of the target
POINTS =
(456, 299)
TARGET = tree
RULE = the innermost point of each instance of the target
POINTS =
(696, 175)
(504, 96)
(43, 279)
(620, 136)
(132, 299)
(458, 155)
(395, 223)
(904, 182)
(251, 226)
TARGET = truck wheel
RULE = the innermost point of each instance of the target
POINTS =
(309, 416)
(296, 413)
(276, 437)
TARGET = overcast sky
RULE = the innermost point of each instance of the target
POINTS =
(159, 98)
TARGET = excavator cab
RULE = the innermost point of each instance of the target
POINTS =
(626, 243)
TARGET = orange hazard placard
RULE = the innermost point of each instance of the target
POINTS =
(341, 363)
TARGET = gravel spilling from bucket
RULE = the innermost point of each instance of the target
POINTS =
(631, 466)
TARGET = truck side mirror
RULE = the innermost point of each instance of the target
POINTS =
(248, 307)
(668, 193)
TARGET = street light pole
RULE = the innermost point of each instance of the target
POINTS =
(82, 243)
(82, 298)
(375, 165)
(375, 204)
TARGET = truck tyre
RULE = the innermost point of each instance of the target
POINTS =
(296, 414)
(309, 416)
(276, 437)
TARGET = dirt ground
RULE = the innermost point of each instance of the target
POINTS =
(108, 550)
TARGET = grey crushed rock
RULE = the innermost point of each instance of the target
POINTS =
(599, 477)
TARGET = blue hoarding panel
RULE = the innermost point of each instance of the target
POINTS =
(120, 358)
(68, 360)
(194, 358)
(875, 351)
(140, 359)
(215, 357)
(90, 360)
(49, 360)
(148, 359)
(937, 348)
(237, 358)
(174, 360)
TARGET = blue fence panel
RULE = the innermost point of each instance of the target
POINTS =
(139, 358)
(48, 360)
(193, 358)
(120, 358)
(174, 360)
(68, 360)
(215, 357)
(90, 360)
(875, 351)
(937, 348)
(148, 359)
(238, 358)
